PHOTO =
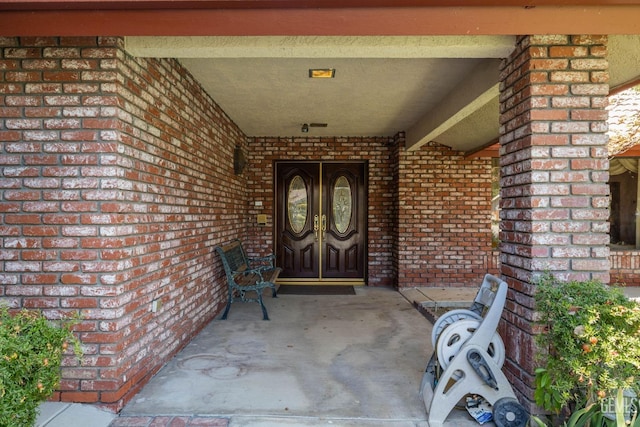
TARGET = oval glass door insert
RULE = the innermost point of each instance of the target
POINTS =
(297, 204)
(342, 204)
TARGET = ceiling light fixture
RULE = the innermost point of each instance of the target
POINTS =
(322, 73)
(306, 126)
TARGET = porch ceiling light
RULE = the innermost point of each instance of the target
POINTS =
(322, 73)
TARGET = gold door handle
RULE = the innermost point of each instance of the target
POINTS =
(315, 226)
(324, 226)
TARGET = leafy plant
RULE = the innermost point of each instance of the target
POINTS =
(31, 351)
(593, 416)
(592, 337)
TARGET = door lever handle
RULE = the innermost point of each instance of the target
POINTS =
(315, 226)
(324, 226)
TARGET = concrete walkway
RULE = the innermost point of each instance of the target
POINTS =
(432, 302)
(322, 360)
(342, 361)
(60, 414)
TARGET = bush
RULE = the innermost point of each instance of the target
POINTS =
(592, 338)
(31, 351)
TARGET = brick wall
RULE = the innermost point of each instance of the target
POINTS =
(263, 152)
(625, 267)
(117, 180)
(554, 173)
(444, 218)
(435, 232)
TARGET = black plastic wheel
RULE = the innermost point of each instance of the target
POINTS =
(508, 412)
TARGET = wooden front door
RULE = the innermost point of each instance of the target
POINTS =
(321, 222)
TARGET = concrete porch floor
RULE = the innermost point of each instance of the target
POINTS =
(322, 360)
(347, 361)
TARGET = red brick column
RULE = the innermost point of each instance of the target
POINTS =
(554, 168)
(116, 183)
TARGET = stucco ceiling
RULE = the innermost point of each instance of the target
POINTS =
(436, 88)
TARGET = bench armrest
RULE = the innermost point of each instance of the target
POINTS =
(264, 262)
(248, 271)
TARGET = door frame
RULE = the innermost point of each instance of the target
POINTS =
(276, 212)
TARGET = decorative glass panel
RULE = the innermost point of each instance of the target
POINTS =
(297, 204)
(342, 204)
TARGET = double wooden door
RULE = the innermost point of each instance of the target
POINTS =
(321, 222)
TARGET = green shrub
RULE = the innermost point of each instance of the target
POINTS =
(31, 351)
(592, 337)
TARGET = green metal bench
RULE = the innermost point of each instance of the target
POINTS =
(246, 274)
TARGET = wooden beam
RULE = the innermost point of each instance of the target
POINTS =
(503, 20)
(631, 152)
(624, 86)
(491, 149)
(290, 4)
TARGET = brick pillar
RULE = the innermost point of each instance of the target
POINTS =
(554, 173)
(116, 181)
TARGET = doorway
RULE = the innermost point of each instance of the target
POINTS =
(320, 221)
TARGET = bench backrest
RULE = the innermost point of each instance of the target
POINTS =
(233, 258)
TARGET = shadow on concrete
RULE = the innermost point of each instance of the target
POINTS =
(341, 360)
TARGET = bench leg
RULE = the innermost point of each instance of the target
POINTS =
(265, 316)
(274, 293)
(226, 310)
